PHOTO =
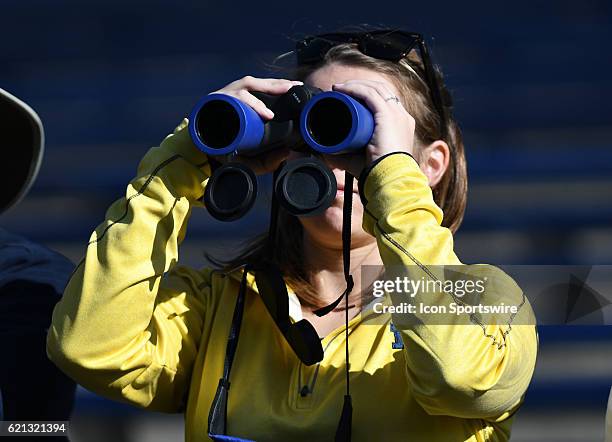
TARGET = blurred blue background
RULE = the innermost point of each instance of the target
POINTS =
(532, 93)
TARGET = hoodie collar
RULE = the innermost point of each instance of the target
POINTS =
(295, 307)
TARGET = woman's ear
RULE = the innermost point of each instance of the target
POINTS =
(434, 161)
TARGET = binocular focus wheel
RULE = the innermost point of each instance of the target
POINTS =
(306, 187)
(230, 192)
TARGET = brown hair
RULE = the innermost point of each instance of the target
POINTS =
(449, 194)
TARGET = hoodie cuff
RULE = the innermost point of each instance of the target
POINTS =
(182, 166)
(180, 142)
(363, 176)
(393, 187)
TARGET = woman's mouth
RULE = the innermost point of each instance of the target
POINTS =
(340, 190)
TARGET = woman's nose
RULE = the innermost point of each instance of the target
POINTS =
(331, 162)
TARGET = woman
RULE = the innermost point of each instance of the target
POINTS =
(135, 326)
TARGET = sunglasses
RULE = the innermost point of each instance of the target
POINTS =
(392, 45)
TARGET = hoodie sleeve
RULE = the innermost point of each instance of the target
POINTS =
(460, 367)
(130, 320)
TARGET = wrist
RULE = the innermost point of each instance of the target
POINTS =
(369, 167)
(179, 142)
(375, 153)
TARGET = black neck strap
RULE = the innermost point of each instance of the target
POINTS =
(273, 226)
(343, 432)
(217, 418)
(347, 210)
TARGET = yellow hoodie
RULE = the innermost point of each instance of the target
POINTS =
(135, 326)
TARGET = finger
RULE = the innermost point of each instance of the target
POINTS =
(372, 98)
(255, 103)
(268, 85)
(383, 89)
(250, 100)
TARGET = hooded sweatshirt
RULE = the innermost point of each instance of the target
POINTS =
(135, 326)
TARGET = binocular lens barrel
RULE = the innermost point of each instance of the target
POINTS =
(330, 122)
(333, 122)
(221, 124)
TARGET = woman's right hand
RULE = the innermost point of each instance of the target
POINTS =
(241, 89)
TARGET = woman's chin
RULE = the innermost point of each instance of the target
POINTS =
(332, 218)
(327, 226)
(329, 223)
(329, 220)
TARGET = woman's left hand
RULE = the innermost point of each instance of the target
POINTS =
(393, 125)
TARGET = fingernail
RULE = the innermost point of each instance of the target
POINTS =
(269, 113)
(297, 82)
(339, 84)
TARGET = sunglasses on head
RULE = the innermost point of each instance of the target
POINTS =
(388, 44)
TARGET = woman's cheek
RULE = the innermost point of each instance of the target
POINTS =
(357, 218)
(331, 219)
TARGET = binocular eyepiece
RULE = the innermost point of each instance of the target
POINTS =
(326, 122)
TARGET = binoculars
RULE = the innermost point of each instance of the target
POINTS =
(305, 119)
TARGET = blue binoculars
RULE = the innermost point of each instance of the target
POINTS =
(304, 118)
(329, 122)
